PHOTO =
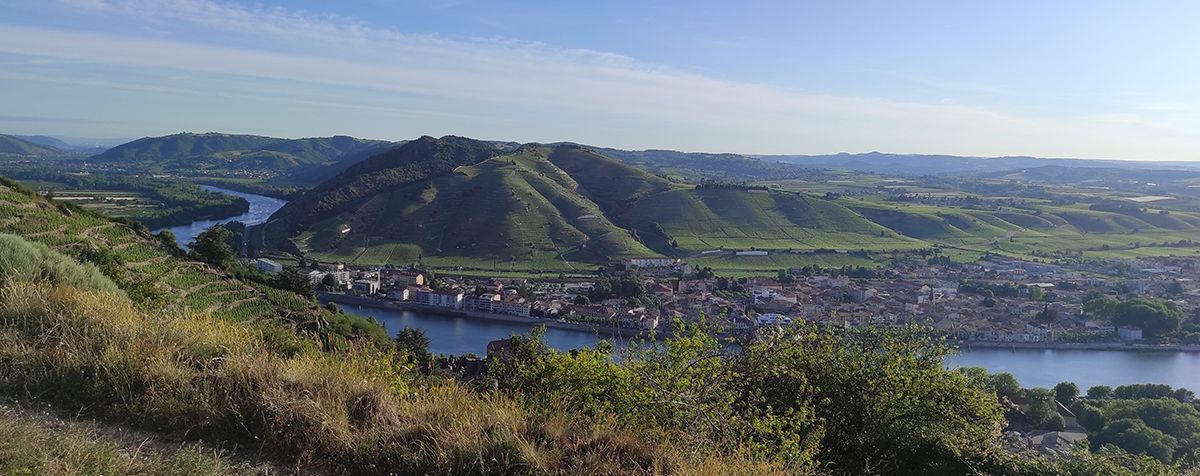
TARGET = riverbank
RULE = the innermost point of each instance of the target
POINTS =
(365, 301)
(1108, 346)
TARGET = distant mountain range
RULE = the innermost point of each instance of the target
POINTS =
(309, 161)
(14, 145)
(932, 164)
(223, 154)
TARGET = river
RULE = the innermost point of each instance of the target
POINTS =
(261, 208)
(1033, 368)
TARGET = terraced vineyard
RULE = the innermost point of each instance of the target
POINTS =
(138, 263)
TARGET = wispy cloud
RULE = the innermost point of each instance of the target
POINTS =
(583, 91)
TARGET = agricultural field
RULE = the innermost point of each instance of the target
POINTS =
(772, 263)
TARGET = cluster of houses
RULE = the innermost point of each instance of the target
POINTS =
(1048, 307)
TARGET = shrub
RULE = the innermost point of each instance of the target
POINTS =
(23, 260)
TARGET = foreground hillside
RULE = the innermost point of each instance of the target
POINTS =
(148, 270)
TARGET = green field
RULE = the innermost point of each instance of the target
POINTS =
(706, 219)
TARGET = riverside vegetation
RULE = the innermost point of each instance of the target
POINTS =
(113, 323)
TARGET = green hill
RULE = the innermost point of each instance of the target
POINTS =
(515, 207)
(704, 219)
(224, 154)
(607, 181)
(458, 202)
(10, 145)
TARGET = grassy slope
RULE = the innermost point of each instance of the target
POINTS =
(510, 208)
(41, 444)
(359, 412)
(610, 183)
(137, 262)
(1046, 229)
(704, 219)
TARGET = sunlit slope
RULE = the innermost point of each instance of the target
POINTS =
(141, 266)
(516, 207)
(702, 219)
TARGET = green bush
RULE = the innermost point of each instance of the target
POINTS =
(23, 260)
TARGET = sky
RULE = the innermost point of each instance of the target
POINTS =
(1086, 79)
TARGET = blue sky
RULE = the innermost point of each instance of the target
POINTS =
(1095, 79)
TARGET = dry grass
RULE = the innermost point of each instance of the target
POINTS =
(355, 412)
(32, 447)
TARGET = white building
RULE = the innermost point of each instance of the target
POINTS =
(771, 319)
(433, 298)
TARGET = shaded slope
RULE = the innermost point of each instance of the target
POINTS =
(223, 153)
(610, 183)
(412, 162)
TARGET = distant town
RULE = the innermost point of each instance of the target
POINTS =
(993, 302)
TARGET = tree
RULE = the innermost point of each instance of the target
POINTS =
(1037, 294)
(1066, 392)
(1136, 437)
(330, 283)
(989, 302)
(1151, 315)
(294, 280)
(1042, 410)
(415, 343)
(168, 239)
(1090, 417)
(1099, 392)
(1175, 288)
(1101, 307)
(212, 247)
(1006, 385)
(582, 300)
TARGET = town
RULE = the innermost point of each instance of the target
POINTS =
(993, 302)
